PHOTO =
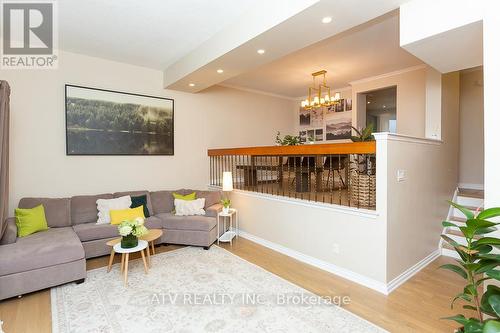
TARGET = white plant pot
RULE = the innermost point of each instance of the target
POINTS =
(225, 210)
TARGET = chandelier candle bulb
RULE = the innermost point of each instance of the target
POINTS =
(319, 93)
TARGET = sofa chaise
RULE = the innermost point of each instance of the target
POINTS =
(57, 255)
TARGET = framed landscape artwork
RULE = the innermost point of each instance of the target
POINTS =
(339, 126)
(106, 122)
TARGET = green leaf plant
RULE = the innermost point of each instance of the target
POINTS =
(478, 263)
(363, 164)
(288, 140)
(364, 134)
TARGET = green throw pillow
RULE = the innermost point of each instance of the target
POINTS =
(29, 221)
(187, 197)
(139, 201)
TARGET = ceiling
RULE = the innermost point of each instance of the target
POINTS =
(153, 33)
(367, 50)
(190, 39)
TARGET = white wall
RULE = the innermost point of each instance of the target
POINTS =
(471, 165)
(458, 13)
(314, 231)
(491, 114)
(414, 85)
(452, 27)
(410, 99)
(433, 104)
(417, 205)
(214, 118)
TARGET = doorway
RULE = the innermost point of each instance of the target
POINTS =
(380, 109)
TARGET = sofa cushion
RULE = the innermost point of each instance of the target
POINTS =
(213, 210)
(199, 223)
(42, 249)
(84, 207)
(153, 222)
(211, 197)
(136, 194)
(57, 211)
(92, 231)
(162, 201)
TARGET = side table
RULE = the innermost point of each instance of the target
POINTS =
(230, 234)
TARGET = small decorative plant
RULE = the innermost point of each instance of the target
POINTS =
(288, 140)
(131, 231)
(477, 264)
(362, 182)
(226, 203)
(364, 134)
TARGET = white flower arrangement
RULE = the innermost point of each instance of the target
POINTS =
(134, 227)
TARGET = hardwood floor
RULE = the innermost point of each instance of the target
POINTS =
(416, 306)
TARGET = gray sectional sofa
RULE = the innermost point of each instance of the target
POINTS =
(57, 255)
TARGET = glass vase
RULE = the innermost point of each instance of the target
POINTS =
(129, 241)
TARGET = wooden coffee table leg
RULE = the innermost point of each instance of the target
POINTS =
(153, 246)
(126, 268)
(148, 255)
(144, 261)
(111, 257)
(122, 262)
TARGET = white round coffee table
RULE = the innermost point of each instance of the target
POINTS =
(125, 255)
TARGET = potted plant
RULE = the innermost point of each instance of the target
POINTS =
(131, 231)
(288, 140)
(478, 263)
(362, 181)
(226, 204)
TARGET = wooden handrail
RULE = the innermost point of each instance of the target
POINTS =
(368, 147)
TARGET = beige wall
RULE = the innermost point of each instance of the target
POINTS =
(214, 118)
(412, 90)
(417, 205)
(471, 165)
(410, 103)
(315, 232)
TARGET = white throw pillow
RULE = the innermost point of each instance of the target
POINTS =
(189, 207)
(105, 205)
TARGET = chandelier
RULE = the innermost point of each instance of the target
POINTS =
(319, 95)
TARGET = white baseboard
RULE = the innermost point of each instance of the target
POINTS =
(406, 275)
(342, 272)
(331, 268)
(471, 186)
(449, 253)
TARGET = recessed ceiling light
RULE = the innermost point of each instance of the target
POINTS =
(220, 71)
(327, 19)
(368, 102)
(191, 84)
(261, 51)
(383, 106)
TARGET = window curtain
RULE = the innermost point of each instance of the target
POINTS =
(4, 153)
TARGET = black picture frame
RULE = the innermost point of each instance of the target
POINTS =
(70, 151)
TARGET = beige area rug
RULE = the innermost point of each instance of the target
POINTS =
(193, 290)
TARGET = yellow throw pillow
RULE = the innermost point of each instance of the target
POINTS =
(189, 197)
(120, 215)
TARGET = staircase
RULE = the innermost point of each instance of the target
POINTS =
(472, 199)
